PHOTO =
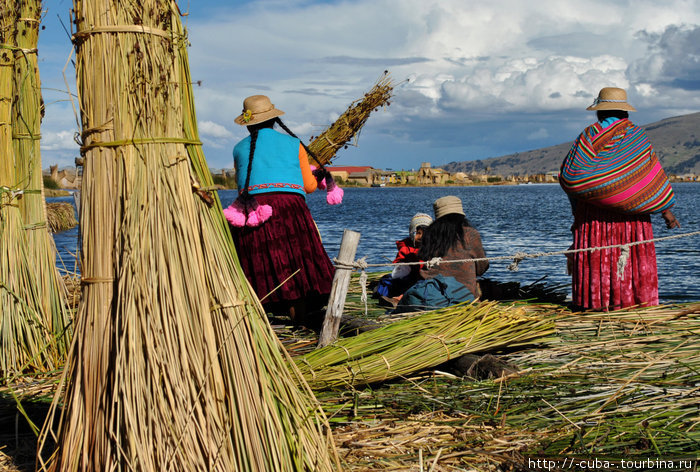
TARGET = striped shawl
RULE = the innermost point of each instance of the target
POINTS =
(616, 168)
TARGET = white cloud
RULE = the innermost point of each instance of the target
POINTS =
(58, 141)
(472, 64)
(213, 130)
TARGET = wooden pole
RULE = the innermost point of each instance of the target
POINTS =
(339, 289)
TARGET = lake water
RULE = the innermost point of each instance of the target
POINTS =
(511, 219)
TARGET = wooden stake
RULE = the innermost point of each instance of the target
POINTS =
(339, 289)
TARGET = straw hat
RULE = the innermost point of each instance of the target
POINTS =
(418, 220)
(611, 98)
(256, 109)
(447, 206)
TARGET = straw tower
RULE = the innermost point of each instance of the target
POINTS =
(25, 342)
(176, 368)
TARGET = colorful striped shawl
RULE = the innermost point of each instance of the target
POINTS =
(616, 168)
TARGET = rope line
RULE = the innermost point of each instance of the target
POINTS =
(517, 257)
(135, 142)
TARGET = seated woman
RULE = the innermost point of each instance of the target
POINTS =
(450, 237)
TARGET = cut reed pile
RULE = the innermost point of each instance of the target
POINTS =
(27, 112)
(27, 341)
(60, 216)
(176, 368)
(613, 385)
(347, 127)
(420, 342)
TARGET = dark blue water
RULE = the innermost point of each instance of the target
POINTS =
(511, 219)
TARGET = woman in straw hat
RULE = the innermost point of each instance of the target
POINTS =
(276, 238)
(614, 182)
(451, 238)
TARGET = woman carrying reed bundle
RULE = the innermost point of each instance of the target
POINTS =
(276, 238)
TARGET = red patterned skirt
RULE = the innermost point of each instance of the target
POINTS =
(287, 242)
(595, 281)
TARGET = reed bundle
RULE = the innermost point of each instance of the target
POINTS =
(347, 127)
(176, 368)
(419, 342)
(27, 339)
(60, 216)
(28, 111)
(619, 384)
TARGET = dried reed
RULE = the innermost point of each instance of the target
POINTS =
(419, 342)
(619, 384)
(31, 313)
(349, 124)
(60, 216)
(176, 368)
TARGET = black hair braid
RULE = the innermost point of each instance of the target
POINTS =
(251, 154)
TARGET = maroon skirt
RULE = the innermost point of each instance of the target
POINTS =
(595, 280)
(286, 243)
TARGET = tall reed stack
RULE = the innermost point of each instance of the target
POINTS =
(176, 368)
(27, 342)
(27, 111)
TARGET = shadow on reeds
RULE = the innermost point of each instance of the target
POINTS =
(18, 433)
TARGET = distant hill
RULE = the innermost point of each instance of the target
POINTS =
(675, 139)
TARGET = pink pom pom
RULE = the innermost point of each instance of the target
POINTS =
(234, 215)
(261, 214)
(335, 196)
(264, 212)
(313, 167)
(253, 219)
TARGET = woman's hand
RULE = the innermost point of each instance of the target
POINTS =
(670, 219)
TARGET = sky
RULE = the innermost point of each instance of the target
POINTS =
(473, 79)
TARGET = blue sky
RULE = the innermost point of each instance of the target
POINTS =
(477, 79)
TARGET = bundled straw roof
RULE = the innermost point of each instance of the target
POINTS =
(176, 367)
(349, 124)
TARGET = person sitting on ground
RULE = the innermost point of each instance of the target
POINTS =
(451, 238)
(392, 286)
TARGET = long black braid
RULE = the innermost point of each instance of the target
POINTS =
(254, 129)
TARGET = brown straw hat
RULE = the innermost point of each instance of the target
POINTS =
(256, 109)
(611, 98)
(447, 206)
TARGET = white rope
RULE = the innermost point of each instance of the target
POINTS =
(516, 258)
(362, 264)
(622, 261)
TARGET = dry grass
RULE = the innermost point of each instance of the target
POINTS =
(438, 421)
(33, 317)
(60, 216)
(347, 127)
(176, 368)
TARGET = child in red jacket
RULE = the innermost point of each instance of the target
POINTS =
(391, 287)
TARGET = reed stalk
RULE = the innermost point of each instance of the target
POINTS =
(177, 368)
(28, 110)
(26, 341)
(348, 125)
